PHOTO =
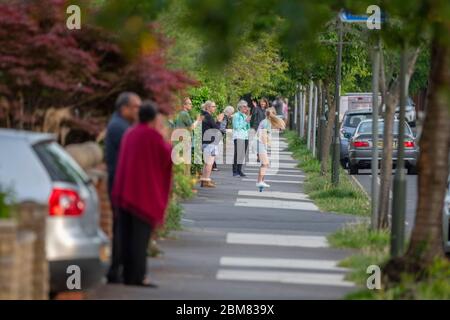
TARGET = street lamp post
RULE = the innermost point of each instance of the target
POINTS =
(399, 199)
(336, 145)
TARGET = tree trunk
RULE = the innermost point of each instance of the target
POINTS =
(386, 162)
(328, 130)
(319, 123)
(426, 239)
(391, 100)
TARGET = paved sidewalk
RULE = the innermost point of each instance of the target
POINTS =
(239, 243)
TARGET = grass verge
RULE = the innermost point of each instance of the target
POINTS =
(346, 198)
(373, 249)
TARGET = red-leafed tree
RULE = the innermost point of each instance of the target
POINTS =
(44, 65)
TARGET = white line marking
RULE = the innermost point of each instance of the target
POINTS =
(276, 204)
(322, 279)
(274, 194)
(329, 265)
(277, 240)
(274, 181)
(278, 174)
(271, 170)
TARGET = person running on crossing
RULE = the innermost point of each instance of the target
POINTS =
(271, 122)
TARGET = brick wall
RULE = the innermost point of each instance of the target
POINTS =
(23, 262)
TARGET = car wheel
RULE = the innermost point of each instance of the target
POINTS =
(412, 170)
(344, 163)
(352, 169)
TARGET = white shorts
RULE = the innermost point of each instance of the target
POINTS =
(210, 150)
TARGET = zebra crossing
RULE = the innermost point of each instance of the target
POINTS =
(273, 268)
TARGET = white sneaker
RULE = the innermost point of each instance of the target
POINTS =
(262, 185)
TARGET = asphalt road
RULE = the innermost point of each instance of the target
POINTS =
(238, 243)
(365, 179)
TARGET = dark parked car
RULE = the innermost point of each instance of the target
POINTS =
(360, 147)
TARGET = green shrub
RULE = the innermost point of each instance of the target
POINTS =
(173, 219)
(5, 207)
(182, 184)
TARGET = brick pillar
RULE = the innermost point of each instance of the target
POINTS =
(33, 217)
(8, 247)
(24, 265)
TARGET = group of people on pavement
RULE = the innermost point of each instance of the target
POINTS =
(260, 116)
(139, 163)
(138, 157)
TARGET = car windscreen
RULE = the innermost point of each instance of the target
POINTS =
(352, 120)
(366, 128)
(60, 166)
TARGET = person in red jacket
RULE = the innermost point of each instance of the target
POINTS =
(141, 191)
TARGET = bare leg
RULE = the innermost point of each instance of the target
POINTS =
(207, 168)
(264, 165)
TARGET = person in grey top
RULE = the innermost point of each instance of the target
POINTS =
(127, 110)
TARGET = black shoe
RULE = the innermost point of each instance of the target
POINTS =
(114, 280)
(242, 174)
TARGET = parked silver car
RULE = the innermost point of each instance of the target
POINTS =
(360, 147)
(37, 168)
(410, 112)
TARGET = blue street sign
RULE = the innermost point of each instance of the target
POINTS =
(348, 17)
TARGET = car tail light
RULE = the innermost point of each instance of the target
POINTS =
(360, 144)
(65, 202)
(409, 144)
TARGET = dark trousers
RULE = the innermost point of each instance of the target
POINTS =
(135, 235)
(240, 152)
(115, 270)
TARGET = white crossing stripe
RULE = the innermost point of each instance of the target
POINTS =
(274, 181)
(277, 174)
(307, 278)
(274, 170)
(276, 204)
(285, 240)
(329, 265)
(274, 194)
(286, 165)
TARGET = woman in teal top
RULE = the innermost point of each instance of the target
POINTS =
(241, 127)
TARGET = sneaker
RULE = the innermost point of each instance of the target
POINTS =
(207, 184)
(235, 174)
(215, 169)
(242, 174)
(262, 184)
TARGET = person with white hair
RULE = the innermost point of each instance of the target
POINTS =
(241, 127)
(228, 114)
(209, 143)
